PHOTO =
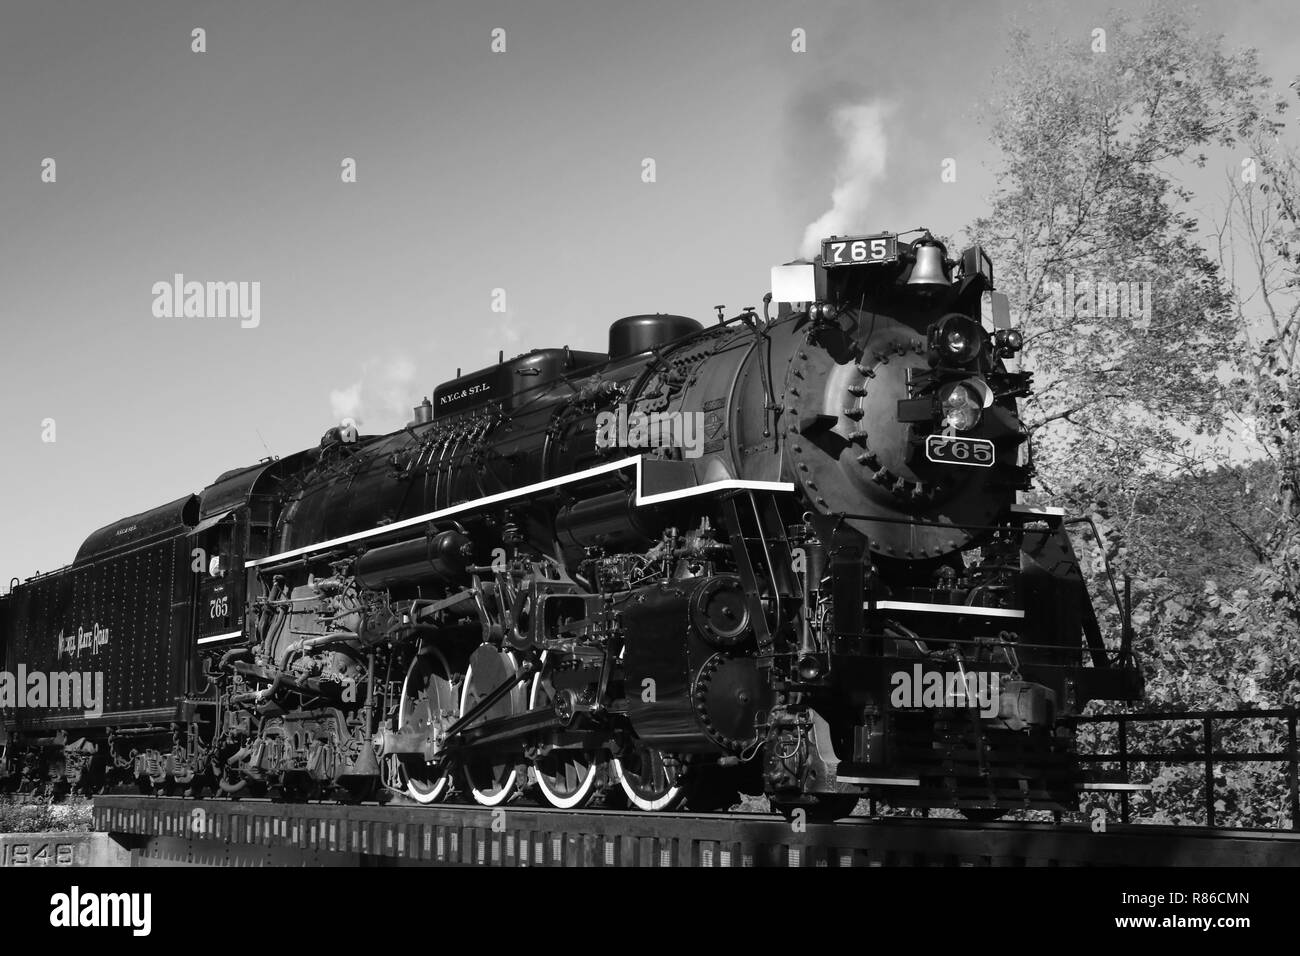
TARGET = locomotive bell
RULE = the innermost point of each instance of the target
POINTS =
(930, 268)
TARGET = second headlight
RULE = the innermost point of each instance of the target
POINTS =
(962, 406)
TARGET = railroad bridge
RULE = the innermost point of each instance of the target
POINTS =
(169, 831)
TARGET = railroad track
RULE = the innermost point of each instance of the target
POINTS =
(172, 830)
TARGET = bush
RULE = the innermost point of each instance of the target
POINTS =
(43, 816)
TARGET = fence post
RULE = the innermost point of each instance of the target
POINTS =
(1123, 767)
(1206, 731)
(1292, 771)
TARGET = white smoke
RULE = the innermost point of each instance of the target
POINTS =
(381, 398)
(860, 128)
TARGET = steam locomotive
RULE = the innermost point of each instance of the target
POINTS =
(780, 554)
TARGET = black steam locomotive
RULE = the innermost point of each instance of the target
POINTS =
(778, 554)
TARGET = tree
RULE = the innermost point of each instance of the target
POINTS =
(1131, 390)
(1134, 408)
(1086, 196)
(1258, 245)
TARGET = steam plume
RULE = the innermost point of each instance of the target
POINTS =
(382, 397)
(860, 128)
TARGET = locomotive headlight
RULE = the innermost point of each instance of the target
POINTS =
(963, 406)
(1008, 341)
(956, 339)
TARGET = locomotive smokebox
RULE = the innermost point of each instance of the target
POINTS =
(635, 334)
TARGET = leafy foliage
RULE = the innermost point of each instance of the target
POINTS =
(43, 816)
(1138, 414)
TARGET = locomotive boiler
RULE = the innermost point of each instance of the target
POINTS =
(780, 554)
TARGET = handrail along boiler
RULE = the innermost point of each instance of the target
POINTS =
(832, 591)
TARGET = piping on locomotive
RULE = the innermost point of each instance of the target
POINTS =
(834, 593)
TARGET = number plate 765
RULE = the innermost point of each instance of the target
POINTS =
(950, 450)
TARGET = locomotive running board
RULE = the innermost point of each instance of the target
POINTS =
(964, 609)
(879, 781)
(216, 638)
(642, 499)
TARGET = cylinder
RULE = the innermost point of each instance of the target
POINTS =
(438, 558)
(608, 521)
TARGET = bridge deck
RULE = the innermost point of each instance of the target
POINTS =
(161, 830)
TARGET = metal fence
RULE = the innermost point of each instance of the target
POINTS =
(1205, 755)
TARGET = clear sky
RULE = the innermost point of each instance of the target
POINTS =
(476, 171)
